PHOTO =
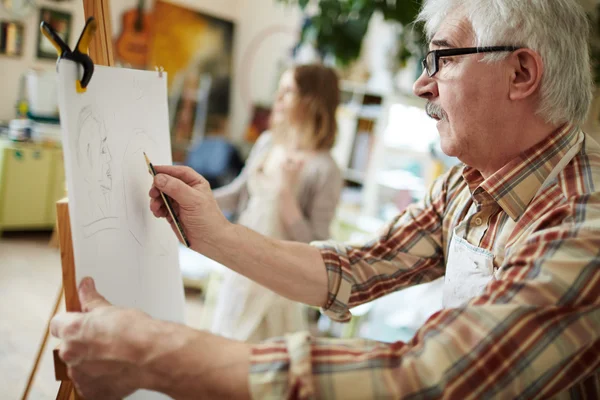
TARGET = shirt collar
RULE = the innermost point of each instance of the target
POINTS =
(515, 185)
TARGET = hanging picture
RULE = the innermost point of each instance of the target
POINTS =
(11, 38)
(196, 50)
(61, 22)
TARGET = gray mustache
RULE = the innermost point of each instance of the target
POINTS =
(433, 110)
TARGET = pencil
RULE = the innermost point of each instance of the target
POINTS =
(169, 205)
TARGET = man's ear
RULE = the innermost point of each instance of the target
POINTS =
(526, 77)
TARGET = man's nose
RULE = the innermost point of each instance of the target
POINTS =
(426, 87)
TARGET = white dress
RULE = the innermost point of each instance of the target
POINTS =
(244, 309)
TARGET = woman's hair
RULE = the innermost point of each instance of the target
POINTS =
(318, 98)
(557, 29)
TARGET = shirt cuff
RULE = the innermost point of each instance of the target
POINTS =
(339, 283)
(281, 368)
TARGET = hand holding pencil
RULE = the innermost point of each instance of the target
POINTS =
(169, 206)
(194, 211)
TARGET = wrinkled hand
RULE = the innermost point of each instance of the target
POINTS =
(102, 346)
(193, 201)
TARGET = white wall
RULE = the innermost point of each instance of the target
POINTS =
(264, 33)
(11, 68)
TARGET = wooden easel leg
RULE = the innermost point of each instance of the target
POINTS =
(54, 239)
(68, 276)
(101, 53)
(67, 392)
(101, 49)
(69, 289)
(42, 347)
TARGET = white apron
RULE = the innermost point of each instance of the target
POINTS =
(244, 309)
(470, 268)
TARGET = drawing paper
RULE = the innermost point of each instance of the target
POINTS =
(132, 256)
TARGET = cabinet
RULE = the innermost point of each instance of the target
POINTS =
(31, 181)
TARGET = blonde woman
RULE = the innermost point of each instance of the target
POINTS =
(289, 189)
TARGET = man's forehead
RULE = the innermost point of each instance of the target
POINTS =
(454, 31)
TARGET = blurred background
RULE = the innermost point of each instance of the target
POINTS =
(224, 60)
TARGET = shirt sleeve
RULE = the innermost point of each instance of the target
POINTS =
(534, 332)
(408, 252)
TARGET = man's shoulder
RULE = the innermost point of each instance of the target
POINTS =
(579, 183)
(581, 177)
(591, 152)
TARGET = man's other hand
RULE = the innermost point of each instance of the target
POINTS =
(103, 347)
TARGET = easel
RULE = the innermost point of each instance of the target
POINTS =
(101, 53)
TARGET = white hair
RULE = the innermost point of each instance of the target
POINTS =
(558, 30)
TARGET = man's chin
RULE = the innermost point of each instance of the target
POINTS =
(448, 146)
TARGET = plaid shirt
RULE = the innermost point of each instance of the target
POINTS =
(533, 333)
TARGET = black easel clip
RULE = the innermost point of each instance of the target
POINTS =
(79, 55)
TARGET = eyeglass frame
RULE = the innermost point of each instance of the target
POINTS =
(460, 52)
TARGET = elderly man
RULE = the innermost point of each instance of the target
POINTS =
(515, 231)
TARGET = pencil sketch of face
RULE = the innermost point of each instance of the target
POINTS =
(94, 159)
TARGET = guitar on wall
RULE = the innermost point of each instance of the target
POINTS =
(133, 45)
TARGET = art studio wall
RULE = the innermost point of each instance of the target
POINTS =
(264, 33)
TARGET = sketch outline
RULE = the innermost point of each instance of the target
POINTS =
(94, 160)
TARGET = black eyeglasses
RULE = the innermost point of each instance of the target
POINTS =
(432, 59)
